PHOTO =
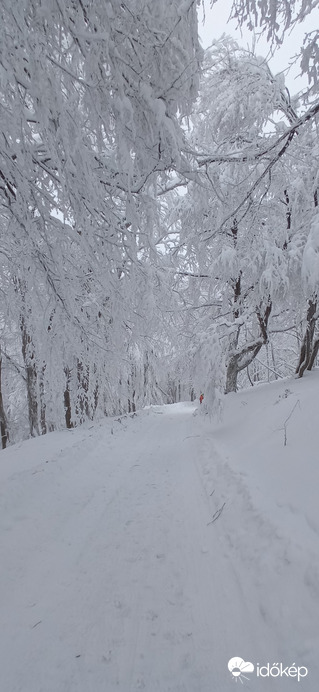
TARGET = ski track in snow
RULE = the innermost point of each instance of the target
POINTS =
(117, 577)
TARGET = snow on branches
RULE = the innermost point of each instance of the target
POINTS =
(91, 96)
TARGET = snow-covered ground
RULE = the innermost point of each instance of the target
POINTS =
(145, 552)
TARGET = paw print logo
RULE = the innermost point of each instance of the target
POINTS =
(238, 667)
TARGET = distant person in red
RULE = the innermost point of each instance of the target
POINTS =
(201, 398)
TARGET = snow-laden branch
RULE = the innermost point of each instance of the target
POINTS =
(242, 157)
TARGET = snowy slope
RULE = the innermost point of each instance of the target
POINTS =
(117, 572)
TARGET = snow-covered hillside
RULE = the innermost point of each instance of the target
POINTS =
(145, 552)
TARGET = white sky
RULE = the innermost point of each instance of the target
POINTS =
(216, 24)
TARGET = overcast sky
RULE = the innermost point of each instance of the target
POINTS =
(216, 24)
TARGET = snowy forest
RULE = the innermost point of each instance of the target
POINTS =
(159, 208)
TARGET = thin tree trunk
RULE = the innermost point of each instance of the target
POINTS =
(274, 362)
(43, 424)
(232, 367)
(3, 419)
(67, 400)
(28, 354)
(82, 407)
(31, 378)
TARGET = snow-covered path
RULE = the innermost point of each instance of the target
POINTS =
(116, 576)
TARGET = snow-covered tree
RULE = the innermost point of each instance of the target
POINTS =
(275, 19)
(91, 97)
(247, 214)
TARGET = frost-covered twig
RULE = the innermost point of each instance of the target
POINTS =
(16, 366)
(217, 514)
(254, 156)
(286, 421)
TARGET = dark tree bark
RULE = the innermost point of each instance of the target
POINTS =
(288, 217)
(67, 400)
(314, 353)
(82, 408)
(242, 357)
(43, 423)
(308, 349)
(28, 353)
(232, 369)
(3, 419)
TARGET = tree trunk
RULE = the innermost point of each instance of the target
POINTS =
(308, 349)
(31, 378)
(231, 375)
(42, 402)
(232, 367)
(3, 419)
(314, 354)
(82, 407)
(67, 400)
(240, 359)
